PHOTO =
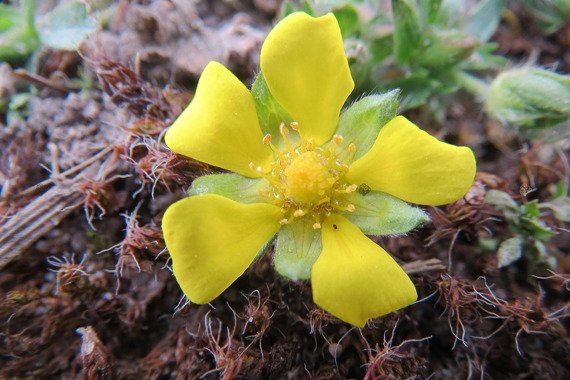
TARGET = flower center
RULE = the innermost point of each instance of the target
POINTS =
(308, 180)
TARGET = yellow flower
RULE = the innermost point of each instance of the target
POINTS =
(298, 179)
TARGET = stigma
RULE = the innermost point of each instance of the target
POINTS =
(307, 180)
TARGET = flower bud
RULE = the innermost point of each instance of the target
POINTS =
(530, 98)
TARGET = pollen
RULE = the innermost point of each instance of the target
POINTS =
(308, 180)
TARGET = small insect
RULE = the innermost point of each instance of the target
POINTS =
(525, 190)
(363, 189)
(335, 227)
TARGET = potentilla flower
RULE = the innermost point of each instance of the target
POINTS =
(317, 181)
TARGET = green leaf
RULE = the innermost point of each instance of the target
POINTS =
(18, 36)
(407, 30)
(536, 229)
(429, 11)
(378, 213)
(445, 49)
(362, 121)
(531, 209)
(269, 112)
(484, 19)
(501, 200)
(381, 47)
(510, 251)
(232, 186)
(484, 59)
(550, 15)
(289, 7)
(543, 256)
(416, 89)
(8, 17)
(298, 247)
(66, 26)
(560, 207)
(347, 18)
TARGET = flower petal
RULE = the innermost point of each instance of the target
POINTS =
(305, 67)
(212, 240)
(412, 165)
(220, 125)
(354, 279)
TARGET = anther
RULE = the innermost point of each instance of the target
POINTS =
(267, 139)
(350, 207)
(299, 213)
(310, 144)
(316, 226)
(294, 125)
(351, 148)
(283, 221)
(337, 139)
(283, 130)
(351, 189)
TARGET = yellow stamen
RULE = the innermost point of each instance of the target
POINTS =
(285, 133)
(351, 151)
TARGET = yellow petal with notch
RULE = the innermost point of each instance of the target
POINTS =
(220, 125)
(354, 279)
(306, 70)
(412, 165)
(212, 240)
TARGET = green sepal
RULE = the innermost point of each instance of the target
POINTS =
(269, 112)
(378, 213)
(407, 30)
(362, 121)
(298, 247)
(232, 186)
(264, 248)
(510, 251)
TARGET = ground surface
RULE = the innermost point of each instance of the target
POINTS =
(85, 288)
